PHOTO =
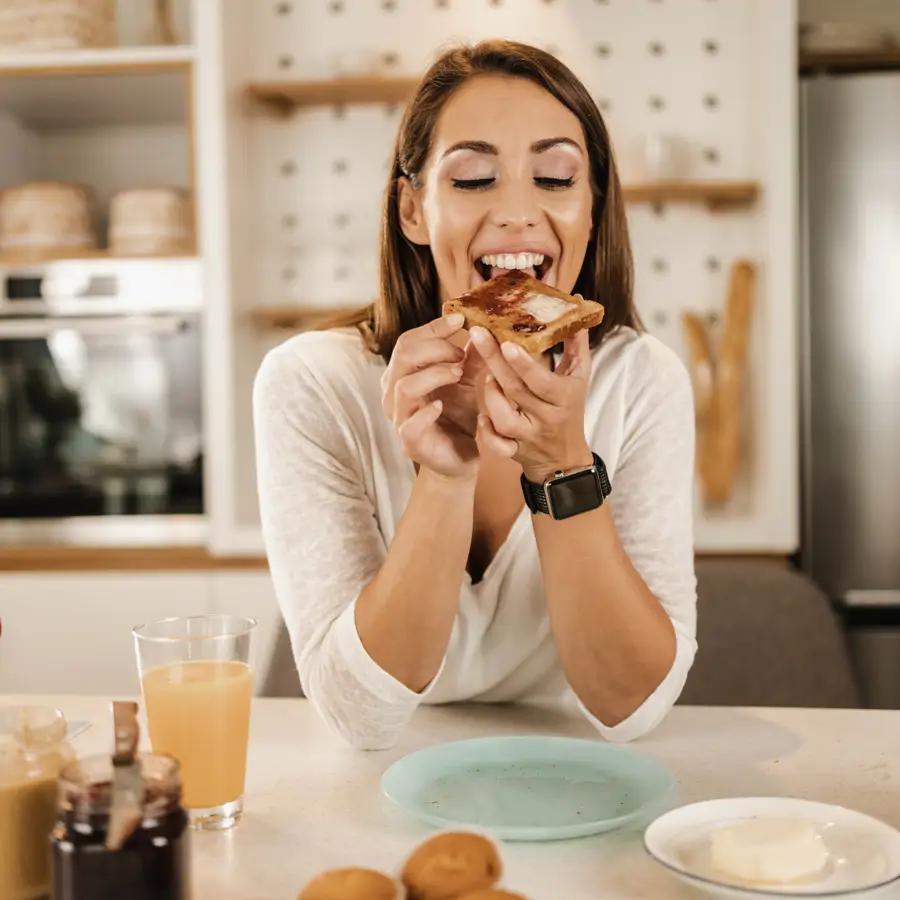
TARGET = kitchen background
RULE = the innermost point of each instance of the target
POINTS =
(187, 183)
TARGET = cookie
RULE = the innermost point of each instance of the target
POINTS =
(451, 864)
(351, 884)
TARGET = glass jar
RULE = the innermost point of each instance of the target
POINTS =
(33, 750)
(152, 863)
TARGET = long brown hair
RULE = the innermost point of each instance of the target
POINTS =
(409, 282)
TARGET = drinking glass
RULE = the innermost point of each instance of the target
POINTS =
(197, 682)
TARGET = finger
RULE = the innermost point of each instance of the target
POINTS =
(474, 365)
(411, 391)
(417, 425)
(420, 347)
(490, 443)
(445, 326)
(576, 354)
(545, 385)
(509, 379)
(506, 419)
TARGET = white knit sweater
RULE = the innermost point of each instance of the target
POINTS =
(333, 483)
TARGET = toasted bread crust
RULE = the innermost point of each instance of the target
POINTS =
(494, 306)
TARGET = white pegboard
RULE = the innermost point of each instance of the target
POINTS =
(690, 68)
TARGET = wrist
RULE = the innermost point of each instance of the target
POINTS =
(441, 483)
(577, 458)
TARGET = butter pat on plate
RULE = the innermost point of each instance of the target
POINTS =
(769, 850)
(767, 847)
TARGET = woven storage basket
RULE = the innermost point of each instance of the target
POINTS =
(151, 221)
(44, 219)
(34, 25)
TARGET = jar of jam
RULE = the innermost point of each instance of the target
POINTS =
(33, 749)
(121, 830)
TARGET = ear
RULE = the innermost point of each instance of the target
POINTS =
(412, 219)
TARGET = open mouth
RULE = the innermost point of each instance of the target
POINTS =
(535, 264)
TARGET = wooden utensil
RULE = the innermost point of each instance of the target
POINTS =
(718, 385)
(163, 29)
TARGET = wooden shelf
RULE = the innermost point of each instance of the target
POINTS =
(712, 194)
(284, 97)
(16, 259)
(295, 318)
(121, 85)
(849, 63)
(101, 61)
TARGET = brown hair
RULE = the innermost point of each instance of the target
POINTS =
(409, 282)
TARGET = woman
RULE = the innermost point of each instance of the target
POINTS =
(391, 452)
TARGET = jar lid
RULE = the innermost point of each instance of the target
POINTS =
(86, 786)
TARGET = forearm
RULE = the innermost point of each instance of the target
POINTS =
(615, 640)
(405, 615)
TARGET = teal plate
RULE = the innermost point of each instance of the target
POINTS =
(528, 788)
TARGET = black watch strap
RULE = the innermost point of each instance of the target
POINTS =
(536, 496)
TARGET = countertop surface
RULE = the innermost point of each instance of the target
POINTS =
(312, 803)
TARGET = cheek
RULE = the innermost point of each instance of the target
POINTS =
(573, 211)
(452, 221)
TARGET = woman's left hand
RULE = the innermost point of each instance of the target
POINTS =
(533, 415)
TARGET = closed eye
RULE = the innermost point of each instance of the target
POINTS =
(472, 184)
(554, 183)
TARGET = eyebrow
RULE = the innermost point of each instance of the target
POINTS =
(490, 150)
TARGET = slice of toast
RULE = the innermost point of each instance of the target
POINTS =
(519, 308)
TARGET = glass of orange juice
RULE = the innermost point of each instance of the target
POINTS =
(197, 683)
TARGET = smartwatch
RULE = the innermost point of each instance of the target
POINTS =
(568, 494)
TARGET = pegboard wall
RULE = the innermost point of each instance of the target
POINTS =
(694, 70)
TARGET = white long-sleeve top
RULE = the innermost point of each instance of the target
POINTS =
(333, 484)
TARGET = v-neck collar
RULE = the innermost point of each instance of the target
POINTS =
(500, 557)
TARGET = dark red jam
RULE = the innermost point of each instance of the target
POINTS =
(152, 863)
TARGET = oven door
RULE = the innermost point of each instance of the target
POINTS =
(100, 405)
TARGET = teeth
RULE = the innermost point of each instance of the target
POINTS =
(513, 260)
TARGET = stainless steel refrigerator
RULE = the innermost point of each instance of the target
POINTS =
(850, 202)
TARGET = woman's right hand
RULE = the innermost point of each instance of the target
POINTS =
(426, 363)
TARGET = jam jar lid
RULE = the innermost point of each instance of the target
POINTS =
(31, 738)
(86, 786)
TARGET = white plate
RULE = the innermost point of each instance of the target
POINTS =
(865, 852)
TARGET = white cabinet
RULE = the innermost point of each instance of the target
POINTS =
(70, 633)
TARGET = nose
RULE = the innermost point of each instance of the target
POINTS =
(516, 206)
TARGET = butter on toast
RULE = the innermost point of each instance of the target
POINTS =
(519, 308)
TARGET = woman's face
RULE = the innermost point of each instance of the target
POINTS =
(506, 185)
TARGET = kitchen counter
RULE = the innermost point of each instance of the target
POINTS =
(312, 803)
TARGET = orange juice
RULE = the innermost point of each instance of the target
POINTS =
(199, 712)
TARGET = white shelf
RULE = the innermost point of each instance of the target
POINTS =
(121, 85)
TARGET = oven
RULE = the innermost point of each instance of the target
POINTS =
(101, 407)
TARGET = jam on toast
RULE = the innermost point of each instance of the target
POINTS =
(516, 307)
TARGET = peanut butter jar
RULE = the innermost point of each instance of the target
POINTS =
(33, 751)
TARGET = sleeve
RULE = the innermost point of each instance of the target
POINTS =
(324, 546)
(652, 507)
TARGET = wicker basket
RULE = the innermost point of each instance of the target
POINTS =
(44, 219)
(151, 221)
(35, 25)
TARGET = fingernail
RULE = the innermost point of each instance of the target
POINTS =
(511, 351)
(456, 370)
(478, 334)
(455, 320)
(488, 379)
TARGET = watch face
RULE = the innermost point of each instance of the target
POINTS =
(574, 494)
